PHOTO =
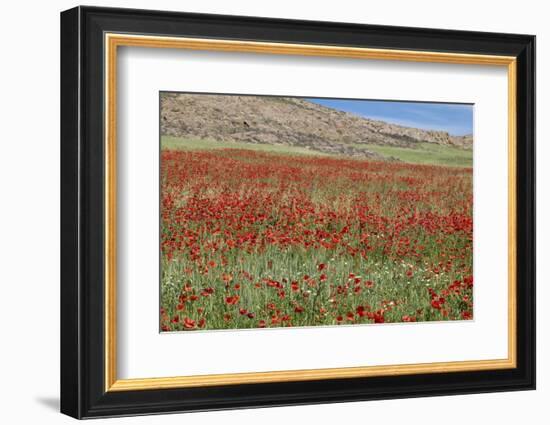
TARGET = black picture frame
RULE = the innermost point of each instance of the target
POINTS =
(83, 392)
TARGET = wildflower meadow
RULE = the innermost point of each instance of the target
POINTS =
(257, 239)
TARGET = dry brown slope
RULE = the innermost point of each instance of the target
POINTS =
(287, 121)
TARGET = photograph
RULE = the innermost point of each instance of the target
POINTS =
(308, 211)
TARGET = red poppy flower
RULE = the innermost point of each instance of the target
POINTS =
(436, 304)
(232, 300)
(466, 315)
(379, 317)
(207, 292)
(188, 323)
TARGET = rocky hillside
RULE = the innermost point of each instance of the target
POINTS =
(287, 121)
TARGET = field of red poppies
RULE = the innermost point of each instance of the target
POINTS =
(256, 239)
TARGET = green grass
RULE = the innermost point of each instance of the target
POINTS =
(179, 143)
(426, 153)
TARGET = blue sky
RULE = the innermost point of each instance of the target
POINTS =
(457, 119)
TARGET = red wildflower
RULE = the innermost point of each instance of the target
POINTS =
(232, 300)
(207, 292)
(466, 315)
(436, 303)
(361, 311)
(408, 319)
(188, 323)
(377, 316)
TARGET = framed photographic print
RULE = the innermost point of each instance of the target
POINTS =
(261, 212)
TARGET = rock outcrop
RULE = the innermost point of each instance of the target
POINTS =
(287, 121)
